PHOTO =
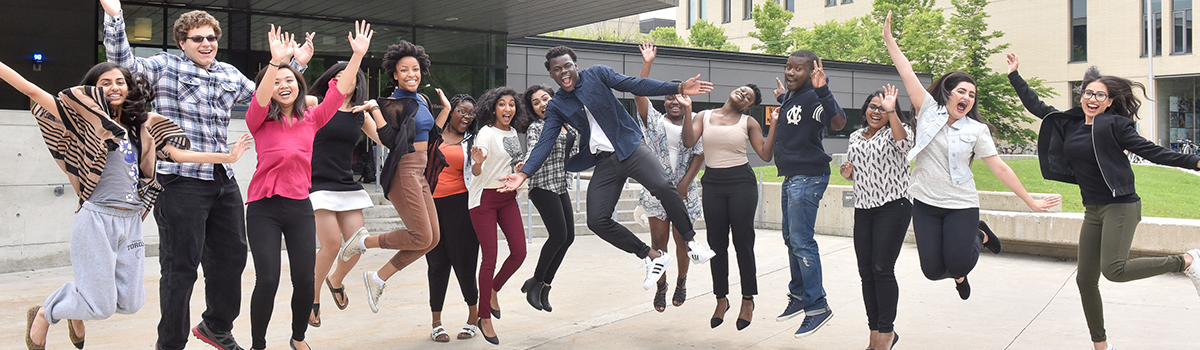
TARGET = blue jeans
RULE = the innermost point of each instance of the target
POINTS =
(800, 198)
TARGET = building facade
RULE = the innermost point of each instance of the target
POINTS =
(1055, 40)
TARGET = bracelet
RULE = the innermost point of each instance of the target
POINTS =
(281, 65)
(893, 110)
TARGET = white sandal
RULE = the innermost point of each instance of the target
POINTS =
(469, 330)
(437, 332)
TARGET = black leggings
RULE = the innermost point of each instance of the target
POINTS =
(458, 249)
(267, 221)
(878, 236)
(559, 219)
(730, 198)
(948, 240)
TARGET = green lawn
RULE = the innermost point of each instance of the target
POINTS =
(1165, 192)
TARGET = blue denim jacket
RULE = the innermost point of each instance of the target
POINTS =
(961, 137)
(594, 90)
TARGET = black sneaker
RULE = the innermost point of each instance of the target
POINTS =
(964, 288)
(223, 341)
(993, 242)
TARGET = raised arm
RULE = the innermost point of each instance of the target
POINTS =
(768, 144)
(172, 153)
(649, 52)
(360, 41)
(1029, 98)
(890, 94)
(35, 93)
(693, 125)
(116, 44)
(832, 114)
(1128, 138)
(916, 91)
(282, 47)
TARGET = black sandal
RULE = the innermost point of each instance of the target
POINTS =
(339, 295)
(680, 292)
(317, 313)
(660, 297)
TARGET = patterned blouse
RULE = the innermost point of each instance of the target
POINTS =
(655, 137)
(880, 167)
(553, 175)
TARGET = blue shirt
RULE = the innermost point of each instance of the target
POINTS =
(424, 118)
(804, 114)
(594, 90)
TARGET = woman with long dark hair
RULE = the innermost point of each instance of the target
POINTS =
(497, 152)
(548, 191)
(876, 163)
(407, 129)
(729, 191)
(949, 134)
(458, 248)
(1086, 146)
(338, 201)
(277, 203)
(106, 142)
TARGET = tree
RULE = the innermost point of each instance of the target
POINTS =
(771, 20)
(919, 28)
(998, 102)
(666, 36)
(837, 41)
(706, 35)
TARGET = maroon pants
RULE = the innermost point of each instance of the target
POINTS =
(497, 208)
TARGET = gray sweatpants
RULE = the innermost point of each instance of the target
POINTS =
(108, 257)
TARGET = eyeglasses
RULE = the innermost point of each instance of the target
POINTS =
(465, 113)
(1100, 96)
(874, 108)
(201, 39)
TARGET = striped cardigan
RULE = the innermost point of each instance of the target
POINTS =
(81, 135)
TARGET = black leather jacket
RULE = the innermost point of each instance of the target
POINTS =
(1111, 136)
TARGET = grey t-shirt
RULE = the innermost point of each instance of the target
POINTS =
(118, 183)
(932, 183)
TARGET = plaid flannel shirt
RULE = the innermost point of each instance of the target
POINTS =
(553, 174)
(198, 100)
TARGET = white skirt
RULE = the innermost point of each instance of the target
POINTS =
(340, 200)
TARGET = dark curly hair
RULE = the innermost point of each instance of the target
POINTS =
(527, 100)
(558, 51)
(403, 49)
(1120, 91)
(454, 103)
(356, 97)
(485, 110)
(133, 111)
(757, 95)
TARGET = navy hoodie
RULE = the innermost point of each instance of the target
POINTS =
(804, 114)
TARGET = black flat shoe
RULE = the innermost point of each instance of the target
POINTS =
(546, 298)
(743, 323)
(895, 338)
(714, 322)
(496, 314)
(293, 345)
(964, 288)
(495, 340)
(993, 242)
(533, 292)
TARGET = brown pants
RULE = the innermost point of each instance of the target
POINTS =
(413, 202)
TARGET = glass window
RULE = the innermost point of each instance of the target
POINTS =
(847, 1)
(1078, 30)
(748, 7)
(700, 10)
(1181, 14)
(830, 3)
(790, 5)
(1075, 87)
(1156, 12)
(726, 11)
(691, 10)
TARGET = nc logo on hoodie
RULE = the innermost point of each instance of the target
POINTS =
(794, 116)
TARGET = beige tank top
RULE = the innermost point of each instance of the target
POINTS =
(725, 145)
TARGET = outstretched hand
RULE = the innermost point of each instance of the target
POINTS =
(112, 7)
(887, 28)
(890, 93)
(775, 117)
(1043, 205)
(1012, 62)
(283, 45)
(360, 38)
(818, 74)
(305, 52)
(780, 89)
(477, 155)
(511, 182)
(366, 106)
(695, 86)
(649, 52)
(685, 101)
(244, 143)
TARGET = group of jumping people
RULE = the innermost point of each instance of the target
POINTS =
(453, 178)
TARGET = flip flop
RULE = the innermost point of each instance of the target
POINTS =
(338, 292)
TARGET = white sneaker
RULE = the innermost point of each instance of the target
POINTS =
(698, 252)
(655, 269)
(351, 247)
(374, 290)
(1193, 271)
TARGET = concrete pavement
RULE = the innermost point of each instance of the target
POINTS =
(1018, 302)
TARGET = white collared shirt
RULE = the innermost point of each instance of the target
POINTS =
(598, 141)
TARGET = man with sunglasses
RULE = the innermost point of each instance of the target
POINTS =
(200, 215)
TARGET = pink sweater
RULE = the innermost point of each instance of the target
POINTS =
(285, 152)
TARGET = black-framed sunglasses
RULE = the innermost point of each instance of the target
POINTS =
(1100, 96)
(200, 39)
